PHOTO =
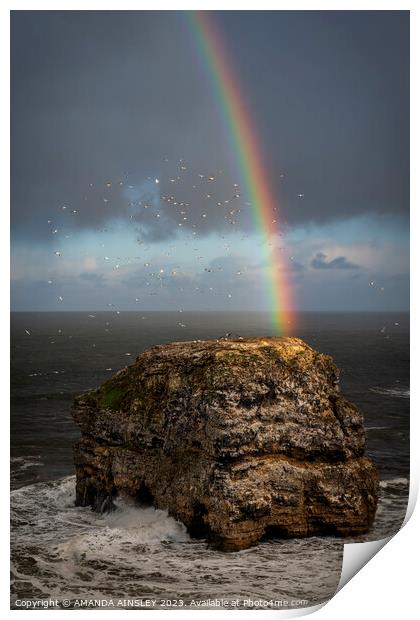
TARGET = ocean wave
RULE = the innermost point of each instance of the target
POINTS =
(56, 500)
(395, 392)
(394, 482)
(71, 552)
(19, 465)
(31, 396)
(24, 462)
(377, 428)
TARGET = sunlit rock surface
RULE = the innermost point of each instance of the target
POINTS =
(238, 439)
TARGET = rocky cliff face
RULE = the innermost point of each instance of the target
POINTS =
(235, 438)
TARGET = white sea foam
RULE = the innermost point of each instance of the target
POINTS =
(394, 392)
(377, 428)
(127, 528)
(56, 501)
(67, 552)
(393, 482)
(148, 524)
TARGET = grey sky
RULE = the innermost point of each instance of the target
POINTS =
(122, 97)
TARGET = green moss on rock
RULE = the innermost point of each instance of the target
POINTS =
(111, 399)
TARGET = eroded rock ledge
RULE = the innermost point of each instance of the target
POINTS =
(235, 438)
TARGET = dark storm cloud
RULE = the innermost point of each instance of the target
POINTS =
(100, 96)
(341, 262)
(96, 96)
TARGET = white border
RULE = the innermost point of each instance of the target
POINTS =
(386, 586)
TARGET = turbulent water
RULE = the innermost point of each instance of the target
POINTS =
(63, 552)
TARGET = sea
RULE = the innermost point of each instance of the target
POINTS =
(141, 557)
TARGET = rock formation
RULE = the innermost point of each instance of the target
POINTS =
(237, 439)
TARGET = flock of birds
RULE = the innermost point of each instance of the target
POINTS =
(197, 203)
(187, 205)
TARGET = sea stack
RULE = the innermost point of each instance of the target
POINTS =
(237, 438)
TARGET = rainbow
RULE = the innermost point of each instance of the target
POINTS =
(249, 160)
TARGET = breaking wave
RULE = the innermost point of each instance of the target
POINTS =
(62, 551)
(67, 552)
